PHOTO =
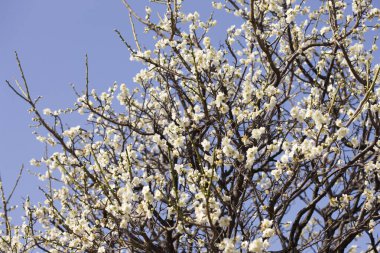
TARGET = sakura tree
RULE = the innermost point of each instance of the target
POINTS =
(265, 141)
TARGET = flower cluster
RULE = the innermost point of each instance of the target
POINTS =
(219, 143)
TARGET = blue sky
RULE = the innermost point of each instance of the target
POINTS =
(52, 38)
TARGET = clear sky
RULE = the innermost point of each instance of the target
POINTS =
(52, 38)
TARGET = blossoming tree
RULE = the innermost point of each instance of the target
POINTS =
(267, 141)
